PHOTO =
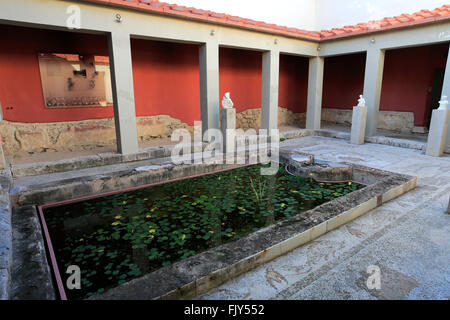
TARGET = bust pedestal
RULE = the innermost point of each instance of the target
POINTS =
(438, 132)
(359, 119)
(228, 127)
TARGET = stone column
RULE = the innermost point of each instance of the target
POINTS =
(372, 87)
(446, 92)
(228, 123)
(269, 101)
(209, 85)
(315, 86)
(123, 92)
(438, 132)
(359, 119)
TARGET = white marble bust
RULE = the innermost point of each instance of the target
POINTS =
(443, 104)
(361, 101)
(227, 103)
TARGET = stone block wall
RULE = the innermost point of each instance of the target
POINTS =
(388, 120)
(251, 118)
(78, 135)
(81, 135)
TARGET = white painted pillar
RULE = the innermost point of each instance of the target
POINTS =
(209, 85)
(269, 101)
(315, 87)
(438, 129)
(373, 79)
(446, 92)
(123, 92)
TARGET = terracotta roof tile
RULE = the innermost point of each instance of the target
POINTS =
(404, 20)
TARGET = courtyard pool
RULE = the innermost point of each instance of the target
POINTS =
(119, 237)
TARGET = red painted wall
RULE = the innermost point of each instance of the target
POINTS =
(343, 81)
(20, 81)
(240, 72)
(293, 86)
(408, 76)
(166, 79)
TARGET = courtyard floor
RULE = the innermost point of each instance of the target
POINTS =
(407, 238)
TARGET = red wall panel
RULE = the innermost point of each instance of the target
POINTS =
(293, 86)
(343, 81)
(408, 75)
(240, 72)
(166, 79)
(20, 81)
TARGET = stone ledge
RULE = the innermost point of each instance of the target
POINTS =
(31, 277)
(34, 169)
(104, 159)
(93, 184)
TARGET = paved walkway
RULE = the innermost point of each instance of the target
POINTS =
(407, 238)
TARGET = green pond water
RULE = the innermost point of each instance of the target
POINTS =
(117, 238)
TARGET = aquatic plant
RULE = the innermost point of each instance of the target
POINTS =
(123, 236)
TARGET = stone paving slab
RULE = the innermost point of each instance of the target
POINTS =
(408, 238)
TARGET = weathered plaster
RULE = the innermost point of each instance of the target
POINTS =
(251, 118)
(78, 135)
(81, 135)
